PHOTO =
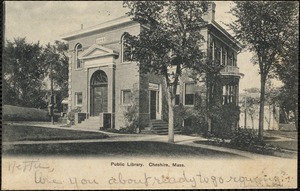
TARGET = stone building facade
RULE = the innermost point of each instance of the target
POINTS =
(103, 82)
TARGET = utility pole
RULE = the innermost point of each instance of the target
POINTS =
(52, 96)
(245, 123)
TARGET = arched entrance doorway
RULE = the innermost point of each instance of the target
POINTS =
(99, 100)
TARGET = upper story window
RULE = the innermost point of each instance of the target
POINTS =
(218, 55)
(189, 94)
(232, 60)
(78, 50)
(212, 50)
(126, 49)
(229, 94)
(224, 56)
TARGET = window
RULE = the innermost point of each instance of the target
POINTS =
(177, 95)
(99, 78)
(229, 94)
(78, 98)
(189, 94)
(212, 50)
(78, 49)
(224, 56)
(126, 97)
(218, 55)
(126, 49)
(232, 60)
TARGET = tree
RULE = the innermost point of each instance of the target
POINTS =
(55, 55)
(251, 107)
(56, 67)
(170, 40)
(287, 69)
(25, 69)
(262, 26)
(23, 73)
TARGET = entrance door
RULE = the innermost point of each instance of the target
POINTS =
(99, 96)
(152, 104)
(99, 102)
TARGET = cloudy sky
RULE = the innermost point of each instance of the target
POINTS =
(45, 21)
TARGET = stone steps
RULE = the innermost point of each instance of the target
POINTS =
(93, 123)
(158, 127)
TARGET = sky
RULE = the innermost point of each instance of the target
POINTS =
(46, 21)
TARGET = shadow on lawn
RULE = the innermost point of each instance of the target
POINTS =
(117, 149)
(34, 133)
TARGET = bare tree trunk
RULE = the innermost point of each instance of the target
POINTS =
(261, 107)
(296, 118)
(171, 103)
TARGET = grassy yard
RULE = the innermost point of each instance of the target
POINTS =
(115, 149)
(289, 145)
(16, 113)
(100, 149)
(282, 143)
(287, 134)
(34, 133)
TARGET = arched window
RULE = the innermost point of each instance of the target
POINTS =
(99, 78)
(99, 93)
(78, 49)
(126, 48)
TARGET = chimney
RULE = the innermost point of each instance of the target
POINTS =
(81, 26)
(210, 14)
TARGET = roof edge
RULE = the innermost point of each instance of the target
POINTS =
(107, 24)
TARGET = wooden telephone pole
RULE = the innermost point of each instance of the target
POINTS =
(51, 96)
(245, 123)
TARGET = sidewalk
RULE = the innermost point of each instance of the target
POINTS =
(116, 137)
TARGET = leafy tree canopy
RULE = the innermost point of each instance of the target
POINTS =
(25, 68)
(23, 72)
(169, 42)
(171, 36)
(264, 28)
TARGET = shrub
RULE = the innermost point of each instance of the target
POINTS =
(245, 138)
(131, 119)
(81, 117)
(224, 119)
(193, 118)
(131, 114)
(71, 115)
(128, 130)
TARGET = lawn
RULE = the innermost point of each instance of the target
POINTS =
(34, 133)
(16, 113)
(115, 149)
(286, 144)
(287, 134)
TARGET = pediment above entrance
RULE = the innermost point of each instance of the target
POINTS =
(96, 51)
